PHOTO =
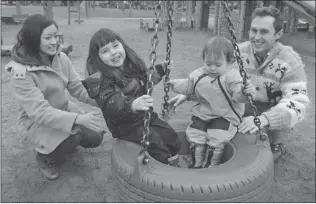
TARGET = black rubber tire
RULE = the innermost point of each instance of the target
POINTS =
(246, 177)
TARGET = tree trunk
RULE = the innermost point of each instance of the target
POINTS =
(18, 8)
(130, 9)
(198, 14)
(78, 11)
(176, 14)
(189, 13)
(86, 8)
(48, 9)
(293, 21)
(242, 16)
(216, 23)
(68, 9)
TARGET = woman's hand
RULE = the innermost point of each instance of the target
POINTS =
(90, 121)
(142, 103)
(248, 125)
(177, 100)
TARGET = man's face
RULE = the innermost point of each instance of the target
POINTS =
(262, 34)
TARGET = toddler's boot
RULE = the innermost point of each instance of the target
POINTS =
(217, 156)
(198, 154)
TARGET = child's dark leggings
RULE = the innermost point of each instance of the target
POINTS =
(164, 141)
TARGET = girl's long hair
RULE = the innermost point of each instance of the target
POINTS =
(133, 65)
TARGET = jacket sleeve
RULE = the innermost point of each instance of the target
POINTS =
(31, 99)
(235, 86)
(291, 109)
(74, 86)
(158, 73)
(109, 98)
(181, 86)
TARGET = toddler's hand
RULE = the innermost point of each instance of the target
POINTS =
(142, 103)
(177, 100)
(249, 88)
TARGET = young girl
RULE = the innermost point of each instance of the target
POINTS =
(218, 88)
(40, 75)
(117, 81)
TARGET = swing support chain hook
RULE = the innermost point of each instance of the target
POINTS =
(242, 71)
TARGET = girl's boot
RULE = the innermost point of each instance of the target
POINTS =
(208, 156)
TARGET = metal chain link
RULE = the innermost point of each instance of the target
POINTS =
(242, 71)
(168, 58)
(150, 84)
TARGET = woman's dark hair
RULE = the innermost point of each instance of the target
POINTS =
(29, 37)
(133, 64)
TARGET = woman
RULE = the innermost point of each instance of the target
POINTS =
(40, 76)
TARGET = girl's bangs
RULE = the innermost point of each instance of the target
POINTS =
(105, 38)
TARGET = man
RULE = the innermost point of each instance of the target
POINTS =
(278, 73)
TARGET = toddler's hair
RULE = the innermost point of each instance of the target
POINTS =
(218, 46)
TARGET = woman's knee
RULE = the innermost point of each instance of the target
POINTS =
(90, 138)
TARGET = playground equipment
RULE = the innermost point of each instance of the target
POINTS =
(149, 26)
(246, 173)
(14, 19)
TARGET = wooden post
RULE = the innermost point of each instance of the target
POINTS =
(48, 9)
(68, 8)
(18, 7)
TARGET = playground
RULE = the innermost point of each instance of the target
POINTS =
(86, 175)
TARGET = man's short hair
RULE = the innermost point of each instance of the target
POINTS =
(270, 11)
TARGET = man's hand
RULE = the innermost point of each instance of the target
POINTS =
(248, 125)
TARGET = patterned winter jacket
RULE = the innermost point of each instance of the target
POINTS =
(280, 80)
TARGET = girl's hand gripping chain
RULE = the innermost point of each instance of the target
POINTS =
(142, 103)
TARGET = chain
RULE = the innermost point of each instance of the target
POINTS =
(168, 58)
(150, 84)
(242, 71)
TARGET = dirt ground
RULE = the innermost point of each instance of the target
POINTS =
(86, 175)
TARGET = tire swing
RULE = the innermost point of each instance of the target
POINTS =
(246, 174)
